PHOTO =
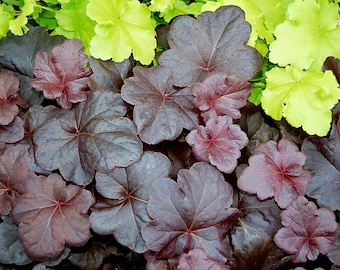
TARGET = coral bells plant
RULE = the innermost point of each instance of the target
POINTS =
(148, 134)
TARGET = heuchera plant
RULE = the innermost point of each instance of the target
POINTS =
(107, 164)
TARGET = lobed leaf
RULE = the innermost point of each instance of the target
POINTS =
(193, 213)
(161, 111)
(308, 22)
(221, 94)
(219, 143)
(62, 74)
(304, 98)
(123, 27)
(276, 170)
(92, 136)
(50, 214)
(125, 213)
(307, 230)
(212, 42)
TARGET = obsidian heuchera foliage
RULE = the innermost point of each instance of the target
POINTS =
(121, 160)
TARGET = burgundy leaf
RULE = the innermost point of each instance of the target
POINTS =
(198, 259)
(324, 163)
(161, 111)
(62, 74)
(129, 188)
(108, 75)
(14, 172)
(219, 143)
(92, 136)
(307, 230)
(9, 97)
(215, 41)
(50, 215)
(13, 132)
(220, 94)
(276, 170)
(17, 54)
(192, 213)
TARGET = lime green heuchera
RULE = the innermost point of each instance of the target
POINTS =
(74, 23)
(123, 26)
(308, 36)
(304, 98)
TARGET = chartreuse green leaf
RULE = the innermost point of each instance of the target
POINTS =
(5, 18)
(181, 8)
(18, 25)
(304, 98)
(123, 26)
(161, 5)
(309, 35)
(74, 23)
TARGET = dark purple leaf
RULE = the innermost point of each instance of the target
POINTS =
(219, 142)
(93, 257)
(11, 249)
(35, 118)
(198, 259)
(9, 97)
(17, 54)
(108, 75)
(62, 74)
(252, 239)
(192, 213)
(92, 136)
(50, 215)
(220, 94)
(129, 188)
(12, 132)
(333, 64)
(161, 111)
(215, 41)
(14, 172)
(307, 230)
(276, 170)
(324, 163)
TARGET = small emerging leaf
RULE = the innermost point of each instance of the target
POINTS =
(62, 74)
(307, 230)
(219, 142)
(220, 94)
